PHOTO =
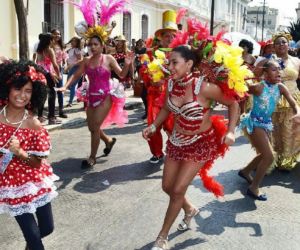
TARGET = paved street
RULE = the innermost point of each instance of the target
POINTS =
(119, 204)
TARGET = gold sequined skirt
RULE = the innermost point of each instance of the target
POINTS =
(285, 142)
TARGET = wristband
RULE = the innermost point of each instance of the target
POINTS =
(152, 128)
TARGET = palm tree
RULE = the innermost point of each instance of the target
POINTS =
(294, 30)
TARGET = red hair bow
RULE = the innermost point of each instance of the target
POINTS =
(36, 76)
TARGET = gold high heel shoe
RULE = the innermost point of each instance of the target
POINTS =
(161, 243)
(185, 223)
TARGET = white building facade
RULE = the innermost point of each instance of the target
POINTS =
(255, 22)
(142, 20)
(146, 16)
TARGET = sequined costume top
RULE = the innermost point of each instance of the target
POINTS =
(99, 87)
(263, 107)
(188, 116)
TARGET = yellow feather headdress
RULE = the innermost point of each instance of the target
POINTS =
(99, 31)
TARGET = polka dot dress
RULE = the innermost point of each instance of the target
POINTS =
(22, 187)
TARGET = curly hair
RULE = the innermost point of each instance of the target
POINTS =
(247, 44)
(13, 75)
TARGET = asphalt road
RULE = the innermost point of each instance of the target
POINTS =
(119, 204)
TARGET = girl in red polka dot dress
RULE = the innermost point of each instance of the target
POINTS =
(26, 179)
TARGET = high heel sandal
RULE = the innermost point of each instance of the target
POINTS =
(161, 243)
(185, 223)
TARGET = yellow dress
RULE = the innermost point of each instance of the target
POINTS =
(285, 143)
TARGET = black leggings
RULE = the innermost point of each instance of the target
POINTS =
(144, 97)
(33, 230)
(51, 98)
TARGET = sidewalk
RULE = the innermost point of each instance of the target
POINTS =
(77, 116)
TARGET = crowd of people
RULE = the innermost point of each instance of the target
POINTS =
(183, 72)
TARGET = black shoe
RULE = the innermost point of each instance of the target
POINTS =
(85, 164)
(53, 120)
(109, 146)
(155, 159)
(261, 197)
(62, 115)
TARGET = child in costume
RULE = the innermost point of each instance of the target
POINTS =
(258, 124)
(284, 141)
(106, 98)
(26, 179)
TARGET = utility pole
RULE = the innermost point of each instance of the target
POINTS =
(263, 21)
(257, 10)
(212, 16)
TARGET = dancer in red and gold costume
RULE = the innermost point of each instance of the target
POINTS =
(156, 87)
(198, 137)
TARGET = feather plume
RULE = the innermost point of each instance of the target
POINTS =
(110, 9)
(88, 8)
(149, 42)
(219, 37)
(180, 14)
(181, 38)
(196, 27)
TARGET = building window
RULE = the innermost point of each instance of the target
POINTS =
(144, 27)
(269, 22)
(127, 26)
(54, 16)
(233, 6)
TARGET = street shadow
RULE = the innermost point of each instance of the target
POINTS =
(230, 180)
(223, 214)
(287, 179)
(69, 169)
(178, 246)
(99, 181)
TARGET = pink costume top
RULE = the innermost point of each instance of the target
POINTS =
(46, 63)
(99, 87)
(60, 55)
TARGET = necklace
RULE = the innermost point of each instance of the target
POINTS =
(25, 115)
(178, 87)
(7, 155)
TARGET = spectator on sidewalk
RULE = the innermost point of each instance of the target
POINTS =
(75, 55)
(61, 56)
(120, 55)
(140, 49)
(46, 59)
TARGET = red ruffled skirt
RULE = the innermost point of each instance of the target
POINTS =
(204, 147)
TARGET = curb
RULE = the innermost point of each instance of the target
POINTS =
(80, 121)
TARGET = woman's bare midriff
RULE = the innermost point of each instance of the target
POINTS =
(205, 125)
